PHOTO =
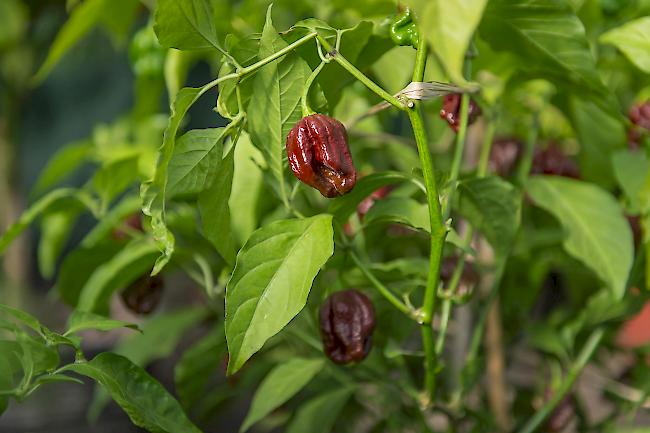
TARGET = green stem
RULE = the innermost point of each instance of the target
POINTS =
(356, 73)
(438, 231)
(255, 66)
(385, 292)
(585, 354)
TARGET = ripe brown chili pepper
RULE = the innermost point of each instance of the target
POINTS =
(347, 320)
(144, 294)
(318, 153)
(553, 160)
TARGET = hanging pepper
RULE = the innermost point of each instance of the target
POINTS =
(347, 320)
(318, 153)
(144, 294)
(554, 161)
(403, 30)
(450, 111)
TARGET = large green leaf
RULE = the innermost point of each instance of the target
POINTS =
(633, 39)
(275, 104)
(271, 281)
(215, 211)
(282, 383)
(548, 40)
(449, 26)
(195, 161)
(83, 18)
(492, 206)
(144, 399)
(319, 414)
(186, 25)
(596, 230)
(133, 261)
(115, 177)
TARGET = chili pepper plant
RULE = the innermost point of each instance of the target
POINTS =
(405, 216)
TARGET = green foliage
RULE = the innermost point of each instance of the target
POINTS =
(271, 281)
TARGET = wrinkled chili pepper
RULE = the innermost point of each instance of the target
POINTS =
(504, 156)
(553, 161)
(450, 111)
(144, 294)
(639, 115)
(318, 152)
(403, 30)
(347, 320)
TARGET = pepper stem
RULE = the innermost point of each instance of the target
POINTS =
(304, 100)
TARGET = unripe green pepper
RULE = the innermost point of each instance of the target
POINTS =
(403, 30)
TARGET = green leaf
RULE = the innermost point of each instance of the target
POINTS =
(133, 261)
(153, 192)
(195, 163)
(82, 19)
(186, 25)
(62, 164)
(282, 383)
(401, 210)
(247, 188)
(271, 281)
(631, 170)
(215, 212)
(158, 339)
(82, 320)
(343, 207)
(197, 364)
(547, 38)
(492, 206)
(596, 230)
(449, 26)
(40, 357)
(113, 178)
(77, 268)
(23, 317)
(32, 213)
(56, 227)
(633, 39)
(160, 335)
(319, 414)
(143, 398)
(275, 104)
(600, 134)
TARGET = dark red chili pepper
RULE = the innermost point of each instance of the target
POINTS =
(318, 152)
(504, 156)
(639, 115)
(553, 161)
(450, 111)
(144, 294)
(347, 320)
(364, 206)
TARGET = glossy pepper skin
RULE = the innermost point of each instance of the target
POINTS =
(144, 294)
(347, 320)
(404, 31)
(319, 155)
(450, 111)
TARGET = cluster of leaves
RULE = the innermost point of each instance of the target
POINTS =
(222, 209)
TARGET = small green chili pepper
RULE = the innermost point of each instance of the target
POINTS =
(403, 30)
